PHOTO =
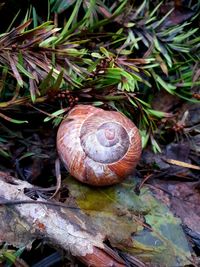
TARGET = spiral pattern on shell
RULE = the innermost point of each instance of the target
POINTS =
(98, 147)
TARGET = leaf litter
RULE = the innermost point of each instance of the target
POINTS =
(137, 224)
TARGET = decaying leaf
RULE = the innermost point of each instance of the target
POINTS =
(139, 225)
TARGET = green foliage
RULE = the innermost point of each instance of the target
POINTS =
(113, 53)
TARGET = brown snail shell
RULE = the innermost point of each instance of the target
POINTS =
(98, 147)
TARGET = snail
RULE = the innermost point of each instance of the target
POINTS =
(98, 147)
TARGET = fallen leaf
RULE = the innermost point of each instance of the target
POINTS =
(183, 199)
(139, 225)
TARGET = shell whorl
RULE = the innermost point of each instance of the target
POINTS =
(98, 147)
(107, 144)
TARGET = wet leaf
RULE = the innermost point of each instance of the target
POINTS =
(183, 199)
(139, 225)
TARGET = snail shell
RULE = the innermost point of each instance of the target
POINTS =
(98, 147)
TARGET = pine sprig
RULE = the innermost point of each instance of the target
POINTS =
(107, 53)
(29, 57)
